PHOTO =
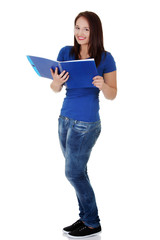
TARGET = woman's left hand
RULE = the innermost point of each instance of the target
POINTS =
(98, 82)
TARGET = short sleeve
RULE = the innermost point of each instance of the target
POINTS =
(109, 64)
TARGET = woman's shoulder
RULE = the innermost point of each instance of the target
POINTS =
(106, 54)
(64, 53)
(66, 49)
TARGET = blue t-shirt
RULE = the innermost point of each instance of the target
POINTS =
(82, 104)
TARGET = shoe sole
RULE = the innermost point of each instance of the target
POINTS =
(87, 236)
(65, 232)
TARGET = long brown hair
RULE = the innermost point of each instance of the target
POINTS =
(96, 47)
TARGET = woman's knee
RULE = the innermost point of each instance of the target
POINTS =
(74, 175)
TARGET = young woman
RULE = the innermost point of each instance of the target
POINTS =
(79, 121)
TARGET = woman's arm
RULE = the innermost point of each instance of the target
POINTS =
(58, 80)
(108, 84)
(109, 88)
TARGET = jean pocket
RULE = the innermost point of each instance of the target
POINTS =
(81, 128)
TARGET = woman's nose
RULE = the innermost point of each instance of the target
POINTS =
(80, 33)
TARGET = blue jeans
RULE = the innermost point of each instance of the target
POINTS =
(77, 140)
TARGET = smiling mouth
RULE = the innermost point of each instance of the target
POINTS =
(81, 38)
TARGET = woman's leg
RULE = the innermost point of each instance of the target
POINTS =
(81, 210)
(79, 142)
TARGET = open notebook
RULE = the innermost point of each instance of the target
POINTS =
(81, 72)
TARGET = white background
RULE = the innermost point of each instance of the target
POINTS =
(36, 201)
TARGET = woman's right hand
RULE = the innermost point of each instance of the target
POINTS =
(59, 79)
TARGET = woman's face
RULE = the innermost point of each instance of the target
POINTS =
(82, 31)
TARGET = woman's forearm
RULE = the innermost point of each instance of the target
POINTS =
(55, 88)
(109, 92)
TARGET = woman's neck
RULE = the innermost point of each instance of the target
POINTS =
(84, 52)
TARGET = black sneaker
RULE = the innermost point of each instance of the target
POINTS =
(84, 232)
(73, 227)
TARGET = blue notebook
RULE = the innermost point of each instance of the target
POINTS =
(81, 72)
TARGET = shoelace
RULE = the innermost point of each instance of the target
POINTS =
(82, 228)
(77, 222)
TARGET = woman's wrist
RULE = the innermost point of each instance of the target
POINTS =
(56, 87)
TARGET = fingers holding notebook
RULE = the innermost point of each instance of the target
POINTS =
(58, 79)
